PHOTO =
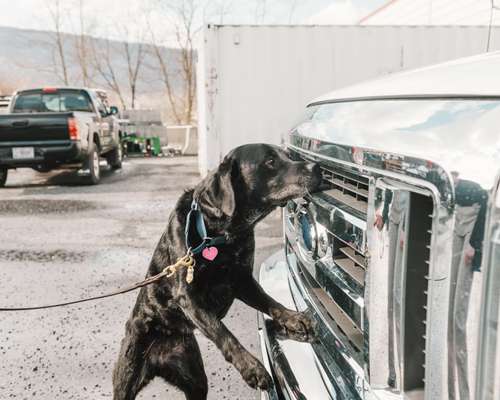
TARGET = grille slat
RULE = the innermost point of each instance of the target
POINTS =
(348, 200)
(342, 320)
(346, 185)
(339, 174)
(346, 188)
(352, 269)
(357, 258)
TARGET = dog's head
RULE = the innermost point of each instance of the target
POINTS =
(258, 177)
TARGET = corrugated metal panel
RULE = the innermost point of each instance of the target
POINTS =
(434, 12)
(254, 81)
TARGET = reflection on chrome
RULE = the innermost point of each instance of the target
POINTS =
(386, 237)
(488, 385)
(390, 255)
(459, 135)
(468, 235)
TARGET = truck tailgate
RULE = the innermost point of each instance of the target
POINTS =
(33, 127)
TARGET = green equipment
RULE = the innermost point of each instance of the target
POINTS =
(135, 145)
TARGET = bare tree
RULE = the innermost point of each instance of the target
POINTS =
(165, 76)
(134, 56)
(183, 16)
(102, 59)
(108, 56)
(82, 45)
(58, 52)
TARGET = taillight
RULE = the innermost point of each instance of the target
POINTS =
(49, 90)
(74, 133)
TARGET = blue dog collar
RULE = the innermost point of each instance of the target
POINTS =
(195, 216)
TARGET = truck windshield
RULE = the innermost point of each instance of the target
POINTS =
(60, 101)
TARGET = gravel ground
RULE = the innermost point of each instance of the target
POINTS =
(61, 241)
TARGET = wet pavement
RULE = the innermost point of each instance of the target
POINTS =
(60, 241)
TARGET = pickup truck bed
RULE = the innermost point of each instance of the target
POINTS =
(44, 138)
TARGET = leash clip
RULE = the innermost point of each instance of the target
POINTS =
(187, 261)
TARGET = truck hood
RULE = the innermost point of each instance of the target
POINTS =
(458, 135)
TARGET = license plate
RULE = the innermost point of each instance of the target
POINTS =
(23, 153)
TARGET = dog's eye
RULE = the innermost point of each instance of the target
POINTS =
(270, 163)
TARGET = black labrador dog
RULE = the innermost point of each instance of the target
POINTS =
(251, 181)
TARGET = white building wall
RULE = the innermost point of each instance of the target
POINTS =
(254, 81)
(434, 12)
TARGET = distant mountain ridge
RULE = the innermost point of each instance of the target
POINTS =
(27, 59)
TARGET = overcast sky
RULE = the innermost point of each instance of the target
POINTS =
(105, 16)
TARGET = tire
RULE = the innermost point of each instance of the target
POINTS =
(3, 176)
(115, 157)
(93, 166)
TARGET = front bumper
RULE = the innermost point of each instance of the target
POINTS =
(295, 367)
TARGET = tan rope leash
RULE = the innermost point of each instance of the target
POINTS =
(184, 262)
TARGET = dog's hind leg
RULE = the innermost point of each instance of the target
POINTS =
(132, 371)
(178, 361)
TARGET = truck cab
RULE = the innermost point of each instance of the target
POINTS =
(397, 258)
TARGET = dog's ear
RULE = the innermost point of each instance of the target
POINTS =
(217, 196)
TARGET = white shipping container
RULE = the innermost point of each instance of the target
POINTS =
(254, 81)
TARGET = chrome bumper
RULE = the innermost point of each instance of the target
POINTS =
(294, 366)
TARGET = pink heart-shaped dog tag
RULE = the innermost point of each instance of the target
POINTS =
(210, 253)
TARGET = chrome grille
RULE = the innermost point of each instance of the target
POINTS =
(346, 187)
(335, 277)
(335, 280)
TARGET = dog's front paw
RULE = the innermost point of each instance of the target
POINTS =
(254, 373)
(298, 325)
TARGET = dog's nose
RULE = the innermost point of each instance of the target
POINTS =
(314, 176)
(311, 166)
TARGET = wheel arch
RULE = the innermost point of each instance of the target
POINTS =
(97, 141)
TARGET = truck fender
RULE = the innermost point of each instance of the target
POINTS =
(96, 140)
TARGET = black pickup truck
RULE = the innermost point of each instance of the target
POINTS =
(53, 128)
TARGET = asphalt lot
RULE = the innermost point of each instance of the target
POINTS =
(60, 241)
